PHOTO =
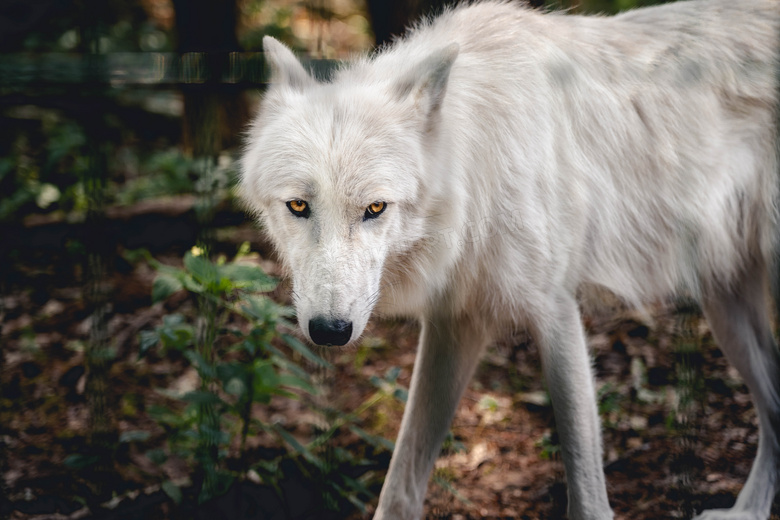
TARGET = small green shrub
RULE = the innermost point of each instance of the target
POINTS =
(249, 370)
(243, 365)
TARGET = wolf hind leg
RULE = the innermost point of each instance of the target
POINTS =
(740, 322)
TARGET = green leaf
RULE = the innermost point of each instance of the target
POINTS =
(227, 371)
(350, 496)
(374, 440)
(201, 268)
(175, 332)
(214, 436)
(173, 491)
(260, 307)
(164, 285)
(215, 484)
(402, 394)
(357, 486)
(289, 366)
(297, 382)
(249, 346)
(392, 374)
(268, 469)
(265, 373)
(305, 351)
(134, 436)
(205, 369)
(297, 446)
(146, 340)
(191, 285)
(248, 276)
(265, 382)
(201, 397)
(157, 456)
(165, 415)
(78, 461)
(173, 320)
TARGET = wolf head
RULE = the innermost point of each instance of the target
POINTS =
(336, 172)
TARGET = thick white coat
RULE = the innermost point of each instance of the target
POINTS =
(524, 157)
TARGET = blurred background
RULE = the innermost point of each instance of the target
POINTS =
(149, 364)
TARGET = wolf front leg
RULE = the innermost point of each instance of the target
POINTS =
(448, 353)
(566, 364)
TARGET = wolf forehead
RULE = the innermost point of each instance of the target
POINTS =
(331, 139)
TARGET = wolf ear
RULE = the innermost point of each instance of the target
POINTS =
(285, 67)
(427, 81)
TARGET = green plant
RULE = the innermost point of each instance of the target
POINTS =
(549, 445)
(248, 358)
(608, 400)
(237, 367)
(165, 173)
(48, 177)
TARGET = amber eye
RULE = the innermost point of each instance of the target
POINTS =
(299, 208)
(374, 210)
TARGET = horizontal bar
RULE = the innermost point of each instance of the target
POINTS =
(140, 69)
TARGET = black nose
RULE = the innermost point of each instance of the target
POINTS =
(329, 332)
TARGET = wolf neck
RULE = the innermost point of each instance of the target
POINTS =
(422, 269)
(459, 196)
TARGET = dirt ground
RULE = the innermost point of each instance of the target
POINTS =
(679, 429)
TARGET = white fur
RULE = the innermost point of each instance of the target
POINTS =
(524, 156)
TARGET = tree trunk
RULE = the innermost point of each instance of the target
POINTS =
(214, 113)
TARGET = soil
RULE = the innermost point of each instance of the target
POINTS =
(679, 429)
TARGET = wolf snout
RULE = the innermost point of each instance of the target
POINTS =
(324, 331)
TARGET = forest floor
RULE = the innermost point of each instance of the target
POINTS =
(679, 428)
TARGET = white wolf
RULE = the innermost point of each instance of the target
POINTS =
(481, 171)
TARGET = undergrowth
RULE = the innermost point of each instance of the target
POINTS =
(248, 358)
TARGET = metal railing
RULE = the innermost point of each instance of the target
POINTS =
(149, 69)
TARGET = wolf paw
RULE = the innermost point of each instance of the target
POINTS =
(729, 514)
